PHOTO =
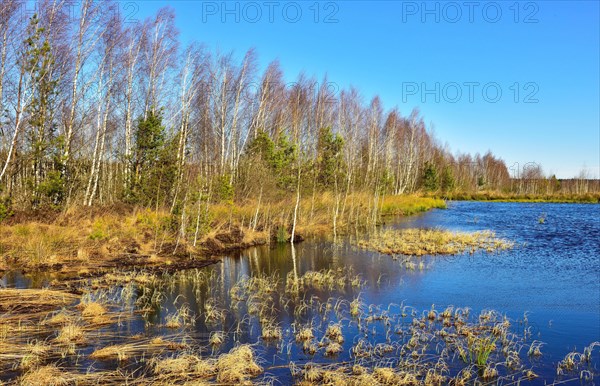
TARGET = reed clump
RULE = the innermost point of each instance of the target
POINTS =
(305, 334)
(330, 279)
(71, 333)
(237, 366)
(33, 302)
(419, 242)
(270, 330)
(52, 375)
(576, 361)
(128, 351)
(589, 198)
(182, 317)
(46, 375)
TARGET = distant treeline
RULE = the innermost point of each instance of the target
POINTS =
(98, 111)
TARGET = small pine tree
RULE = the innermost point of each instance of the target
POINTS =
(45, 145)
(430, 177)
(554, 184)
(153, 161)
(278, 157)
(329, 157)
(447, 181)
(480, 182)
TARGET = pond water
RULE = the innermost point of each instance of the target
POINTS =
(548, 287)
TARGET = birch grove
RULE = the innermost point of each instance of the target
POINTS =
(81, 139)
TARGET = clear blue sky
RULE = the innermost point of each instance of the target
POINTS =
(399, 49)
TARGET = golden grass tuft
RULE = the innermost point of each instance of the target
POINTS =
(33, 302)
(62, 317)
(418, 242)
(95, 312)
(52, 375)
(238, 365)
(71, 333)
(45, 376)
(216, 338)
(118, 352)
(180, 366)
(334, 333)
(333, 348)
(123, 352)
(182, 317)
(271, 331)
(304, 334)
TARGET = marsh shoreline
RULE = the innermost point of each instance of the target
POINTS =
(329, 295)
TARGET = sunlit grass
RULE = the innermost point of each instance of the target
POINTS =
(419, 242)
(81, 239)
(589, 198)
(409, 205)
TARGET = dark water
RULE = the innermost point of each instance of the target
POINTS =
(548, 286)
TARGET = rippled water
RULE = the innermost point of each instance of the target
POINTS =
(551, 280)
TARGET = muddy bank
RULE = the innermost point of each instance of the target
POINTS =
(237, 239)
(85, 259)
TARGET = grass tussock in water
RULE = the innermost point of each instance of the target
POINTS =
(329, 279)
(53, 375)
(32, 301)
(419, 242)
(341, 341)
(237, 366)
(38, 325)
(584, 198)
(126, 351)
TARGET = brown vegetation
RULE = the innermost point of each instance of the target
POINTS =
(82, 241)
(418, 242)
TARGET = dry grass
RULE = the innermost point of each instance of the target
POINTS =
(237, 366)
(82, 240)
(216, 338)
(32, 302)
(315, 212)
(95, 313)
(52, 375)
(333, 348)
(22, 328)
(419, 242)
(121, 278)
(407, 205)
(330, 279)
(271, 331)
(591, 198)
(47, 375)
(71, 333)
(24, 356)
(334, 333)
(128, 351)
(87, 242)
(305, 334)
(182, 317)
(37, 244)
(61, 317)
